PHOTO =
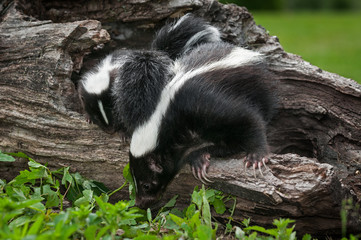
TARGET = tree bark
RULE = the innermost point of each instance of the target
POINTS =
(315, 138)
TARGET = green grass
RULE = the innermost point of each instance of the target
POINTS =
(329, 40)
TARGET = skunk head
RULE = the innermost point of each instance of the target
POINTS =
(95, 93)
(98, 108)
(151, 174)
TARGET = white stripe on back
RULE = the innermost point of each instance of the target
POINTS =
(145, 136)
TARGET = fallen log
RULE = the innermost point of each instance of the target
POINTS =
(315, 138)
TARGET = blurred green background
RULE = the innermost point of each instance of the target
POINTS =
(326, 33)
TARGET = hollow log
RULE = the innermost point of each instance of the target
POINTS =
(315, 139)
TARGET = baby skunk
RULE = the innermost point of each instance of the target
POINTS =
(95, 92)
(217, 103)
(183, 35)
(124, 89)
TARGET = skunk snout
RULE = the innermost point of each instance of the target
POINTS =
(146, 202)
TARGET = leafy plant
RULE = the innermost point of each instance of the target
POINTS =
(32, 206)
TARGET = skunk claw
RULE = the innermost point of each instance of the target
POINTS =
(264, 161)
(204, 173)
(205, 176)
(260, 168)
(254, 169)
(200, 177)
(194, 173)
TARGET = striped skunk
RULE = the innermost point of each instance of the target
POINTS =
(123, 90)
(183, 35)
(198, 98)
(217, 103)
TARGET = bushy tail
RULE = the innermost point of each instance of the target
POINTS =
(181, 36)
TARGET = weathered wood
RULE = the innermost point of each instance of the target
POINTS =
(319, 116)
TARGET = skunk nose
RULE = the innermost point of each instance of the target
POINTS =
(146, 202)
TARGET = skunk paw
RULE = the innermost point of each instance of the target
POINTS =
(256, 161)
(199, 167)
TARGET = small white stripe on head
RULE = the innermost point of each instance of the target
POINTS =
(101, 108)
(145, 136)
(212, 33)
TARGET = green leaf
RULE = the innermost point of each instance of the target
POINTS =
(52, 198)
(66, 176)
(34, 229)
(195, 220)
(197, 199)
(90, 232)
(21, 220)
(99, 188)
(38, 206)
(259, 229)
(6, 158)
(219, 206)
(210, 194)
(246, 222)
(206, 212)
(128, 177)
(204, 232)
(176, 219)
(172, 202)
(34, 164)
(170, 224)
(19, 154)
(126, 173)
(87, 198)
(102, 232)
(307, 237)
(190, 211)
(149, 215)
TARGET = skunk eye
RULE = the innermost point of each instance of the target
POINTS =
(146, 186)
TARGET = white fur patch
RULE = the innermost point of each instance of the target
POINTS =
(96, 82)
(101, 108)
(145, 136)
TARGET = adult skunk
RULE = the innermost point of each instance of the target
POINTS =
(123, 90)
(212, 100)
(216, 103)
(181, 36)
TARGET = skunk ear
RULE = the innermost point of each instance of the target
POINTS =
(155, 166)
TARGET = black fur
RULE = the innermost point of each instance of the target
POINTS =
(173, 40)
(139, 84)
(133, 91)
(90, 105)
(222, 113)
